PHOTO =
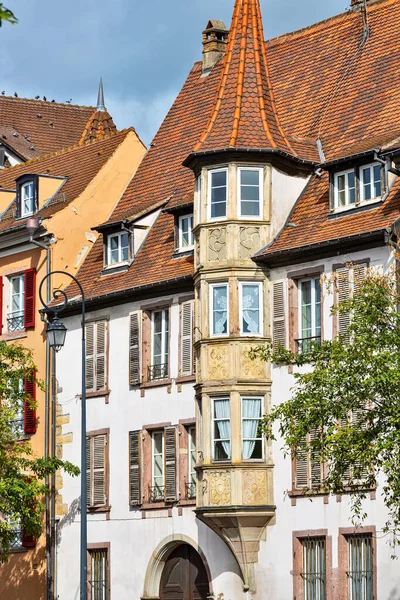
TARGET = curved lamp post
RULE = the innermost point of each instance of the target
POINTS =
(56, 333)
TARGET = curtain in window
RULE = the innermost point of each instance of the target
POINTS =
(251, 309)
(220, 310)
(222, 415)
(251, 413)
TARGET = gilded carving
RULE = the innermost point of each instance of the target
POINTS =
(217, 244)
(249, 241)
(252, 369)
(220, 488)
(254, 488)
(218, 362)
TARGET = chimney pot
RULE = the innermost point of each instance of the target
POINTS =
(215, 37)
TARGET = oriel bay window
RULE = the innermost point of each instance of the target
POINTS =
(221, 429)
(252, 439)
(219, 312)
(250, 190)
(250, 307)
(158, 368)
(218, 193)
(309, 313)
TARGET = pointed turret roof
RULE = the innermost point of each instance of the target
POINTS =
(101, 123)
(244, 113)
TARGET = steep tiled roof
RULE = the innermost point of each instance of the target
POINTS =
(244, 113)
(99, 126)
(49, 125)
(78, 165)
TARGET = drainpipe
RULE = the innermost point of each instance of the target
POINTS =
(32, 225)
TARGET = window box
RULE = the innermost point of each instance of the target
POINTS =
(250, 193)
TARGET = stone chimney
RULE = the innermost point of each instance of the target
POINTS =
(357, 5)
(215, 37)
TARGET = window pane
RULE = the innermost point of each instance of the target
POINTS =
(250, 309)
(124, 246)
(250, 177)
(248, 192)
(306, 318)
(377, 181)
(367, 183)
(251, 432)
(222, 429)
(218, 179)
(218, 210)
(218, 194)
(220, 310)
(352, 187)
(250, 209)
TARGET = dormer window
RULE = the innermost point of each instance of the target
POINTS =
(27, 194)
(359, 185)
(186, 238)
(117, 248)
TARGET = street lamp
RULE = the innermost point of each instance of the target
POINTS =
(56, 334)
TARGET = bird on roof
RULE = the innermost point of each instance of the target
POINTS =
(44, 98)
(37, 97)
(68, 101)
(15, 94)
(3, 92)
(53, 100)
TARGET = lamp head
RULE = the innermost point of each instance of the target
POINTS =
(56, 333)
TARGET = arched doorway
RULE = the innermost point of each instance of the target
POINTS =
(184, 576)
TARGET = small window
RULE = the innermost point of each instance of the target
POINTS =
(98, 574)
(309, 314)
(16, 316)
(186, 239)
(345, 189)
(27, 199)
(252, 439)
(218, 193)
(158, 368)
(222, 429)
(191, 485)
(370, 182)
(117, 248)
(219, 309)
(16, 541)
(313, 571)
(360, 568)
(250, 188)
(157, 490)
(250, 308)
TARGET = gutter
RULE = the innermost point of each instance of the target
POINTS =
(234, 149)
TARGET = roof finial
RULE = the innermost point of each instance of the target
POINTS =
(100, 97)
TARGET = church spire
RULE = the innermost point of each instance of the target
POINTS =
(244, 113)
(100, 97)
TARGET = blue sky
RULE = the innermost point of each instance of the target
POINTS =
(142, 49)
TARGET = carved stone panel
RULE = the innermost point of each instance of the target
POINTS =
(220, 488)
(251, 369)
(249, 241)
(217, 244)
(254, 488)
(218, 357)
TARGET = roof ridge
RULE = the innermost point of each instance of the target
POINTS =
(279, 39)
(39, 100)
(67, 149)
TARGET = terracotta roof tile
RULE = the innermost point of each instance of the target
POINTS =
(99, 126)
(49, 125)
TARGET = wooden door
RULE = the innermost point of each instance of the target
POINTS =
(184, 576)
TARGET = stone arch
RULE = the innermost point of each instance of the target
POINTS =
(157, 562)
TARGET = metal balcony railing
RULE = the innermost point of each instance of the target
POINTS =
(15, 321)
(305, 344)
(156, 372)
(156, 493)
(190, 490)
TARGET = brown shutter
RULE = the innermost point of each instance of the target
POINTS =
(187, 338)
(135, 498)
(30, 411)
(315, 460)
(170, 464)
(343, 293)
(359, 274)
(301, 462)
(90, 357)
(134, 348)
(101, 355)
(99, 470)
(278, 300)
(30, 298)
(88, 472)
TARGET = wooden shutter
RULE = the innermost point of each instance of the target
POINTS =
(343, 293)
(315, 462)
(301, 463)
(170, 464)
(99, 444)
(101, 355)
(1, 305)
(359, 274)
(90, 357)
(278, 300)
(187, 338)
(135, 498)
(30, 411)
(88, 472)
(134, 348)
(30, 298)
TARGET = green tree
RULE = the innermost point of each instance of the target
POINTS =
(346, 395)
(7, 15)
(22, 488)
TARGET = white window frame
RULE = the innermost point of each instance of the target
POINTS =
(347, 205)
(191, 464)
(260, 308)
(164, 341)
(210, 173)
(212, 287)
(118, 235)
(162, 433)
(25, 213)
(198, 198)
(213, 438)
(261, 190)
(369, 166)
(21, 312)
(250, 397)
(313, 305)
(181, 247)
